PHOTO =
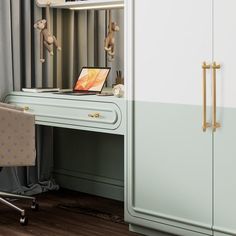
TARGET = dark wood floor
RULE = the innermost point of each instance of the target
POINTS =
(67, 213)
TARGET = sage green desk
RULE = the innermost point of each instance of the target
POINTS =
(99, 120)
(89, 112)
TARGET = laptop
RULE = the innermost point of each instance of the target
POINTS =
(90, 81)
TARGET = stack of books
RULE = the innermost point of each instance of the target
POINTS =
(40, 90)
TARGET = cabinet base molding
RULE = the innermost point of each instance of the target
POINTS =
(145, 231)
(173, 231)
(91, 184)
(223, 232)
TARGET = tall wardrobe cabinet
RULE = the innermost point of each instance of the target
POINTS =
(181, 136)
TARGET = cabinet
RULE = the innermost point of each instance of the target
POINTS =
(181, 179)
(224, 138)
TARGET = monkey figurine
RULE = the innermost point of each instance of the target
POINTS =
(46, 38)
(109, 42)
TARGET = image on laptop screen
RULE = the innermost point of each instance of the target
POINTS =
(91, 79)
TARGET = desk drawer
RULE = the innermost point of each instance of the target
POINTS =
(81, 113)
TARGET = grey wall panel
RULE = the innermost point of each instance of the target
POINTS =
(93, 156)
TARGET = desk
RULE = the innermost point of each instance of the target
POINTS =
(75, 171)
(89, 112)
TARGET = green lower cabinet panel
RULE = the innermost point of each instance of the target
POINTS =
(169, 169)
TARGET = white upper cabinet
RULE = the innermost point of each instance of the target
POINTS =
(172, 39)
(225, 51)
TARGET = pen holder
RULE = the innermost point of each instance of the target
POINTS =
(119, 80)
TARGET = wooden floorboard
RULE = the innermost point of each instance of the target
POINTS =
(69, 213)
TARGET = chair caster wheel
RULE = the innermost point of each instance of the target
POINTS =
(35, 206)
(23, 220)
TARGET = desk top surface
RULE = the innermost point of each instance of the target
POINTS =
(94, 98)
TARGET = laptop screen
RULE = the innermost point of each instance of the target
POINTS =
(91, 79)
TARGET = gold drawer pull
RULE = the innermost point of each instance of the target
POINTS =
(94, 115)
(26, 108)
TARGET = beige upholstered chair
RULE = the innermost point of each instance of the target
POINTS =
(17, 147)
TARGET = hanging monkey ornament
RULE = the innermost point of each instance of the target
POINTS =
(109, 42)
(46, 38)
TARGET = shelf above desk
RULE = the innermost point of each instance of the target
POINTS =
(86, 5)
(89, 112)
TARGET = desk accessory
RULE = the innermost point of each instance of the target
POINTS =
(105, 94)
(46, 38)
(109, 42)
(40, 90)
(44, 2)
(90, 81)
(118, 90)
(119, 78)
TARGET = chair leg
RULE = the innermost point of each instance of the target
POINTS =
(12, 195)
(23, 218)
(5, 202)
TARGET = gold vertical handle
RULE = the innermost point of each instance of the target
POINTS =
(215, 125)
(205, 125)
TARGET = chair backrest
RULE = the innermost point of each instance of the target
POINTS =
(17, 137)
(11, 106)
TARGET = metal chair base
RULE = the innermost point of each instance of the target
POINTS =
(23, 219)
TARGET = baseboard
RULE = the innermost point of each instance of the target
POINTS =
(146, 231)
(172, 229)
(96, 185)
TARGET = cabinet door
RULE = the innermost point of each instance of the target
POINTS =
(170, 157)
(225, 137)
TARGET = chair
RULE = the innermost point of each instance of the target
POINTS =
(17, 148)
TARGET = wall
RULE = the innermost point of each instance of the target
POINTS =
(89, 162)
